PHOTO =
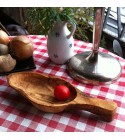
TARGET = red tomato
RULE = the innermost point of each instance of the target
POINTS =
(61, 92)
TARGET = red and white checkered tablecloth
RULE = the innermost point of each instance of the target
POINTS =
(17, 114)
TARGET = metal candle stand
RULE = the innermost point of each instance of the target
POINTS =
(95, 67)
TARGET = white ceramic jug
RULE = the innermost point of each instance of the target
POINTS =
(60, 42)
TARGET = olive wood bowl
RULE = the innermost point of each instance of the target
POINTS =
(39, 90)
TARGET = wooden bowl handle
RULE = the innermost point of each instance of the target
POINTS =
(105, 109)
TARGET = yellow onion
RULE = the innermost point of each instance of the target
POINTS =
(3, 49)
(7, 63)
(21, 48)
(4, 38)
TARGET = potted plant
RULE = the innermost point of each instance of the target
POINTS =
(60, 41)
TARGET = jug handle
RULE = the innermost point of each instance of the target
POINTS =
(73, 29)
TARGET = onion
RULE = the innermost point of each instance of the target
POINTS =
(4, 38)
(21, 48)
(3, 49)
(7, 63)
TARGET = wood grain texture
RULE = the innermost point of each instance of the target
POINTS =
(38, 89)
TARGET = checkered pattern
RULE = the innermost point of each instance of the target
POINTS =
(17, 114)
